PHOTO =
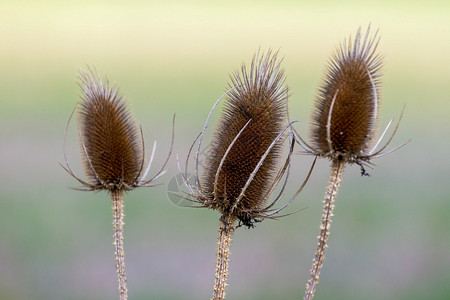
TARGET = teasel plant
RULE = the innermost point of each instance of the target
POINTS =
(344, 124)
(113, 153)
(244, 162)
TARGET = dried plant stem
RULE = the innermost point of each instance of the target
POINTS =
(337, 170)
(117, 206)
(226, 231)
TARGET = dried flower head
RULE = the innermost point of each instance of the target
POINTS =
(110, 136)
(347, 106)
(343, 127)
(253, 117)
(242, 166)
(113, 154)
(346, 109)
(112, 144)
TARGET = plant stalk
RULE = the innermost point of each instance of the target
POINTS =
(337, 169)
(117, 207)
(226, 231)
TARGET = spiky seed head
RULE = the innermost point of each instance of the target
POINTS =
(110, 138)
(346, 108)
(257, 96)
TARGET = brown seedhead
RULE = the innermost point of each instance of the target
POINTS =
(242, 166)
(244, 163)
(253, 116)
(110, 137)
(346, 109)
(113, 152)
(112, 144)
(344, 125)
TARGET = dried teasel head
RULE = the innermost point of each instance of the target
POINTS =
(242, 165)
(109, 135)
(111, 141)
(346, 109)
(344, 123)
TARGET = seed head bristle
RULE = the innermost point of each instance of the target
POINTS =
(346, 109)
(255, 113)
(110, 137)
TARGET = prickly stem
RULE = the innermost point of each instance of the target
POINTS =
(226, 231)
(337, 170)
(117, 207)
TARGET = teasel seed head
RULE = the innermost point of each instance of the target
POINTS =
(109, 136)
(113, 153)
(346, 109)
(344, 124)
(112, 144)
(242, 164)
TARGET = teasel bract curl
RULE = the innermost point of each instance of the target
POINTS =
(344, 124)
(113, 153)
(243, 164)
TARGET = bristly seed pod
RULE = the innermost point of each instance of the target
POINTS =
(347, 106)
(110, 137)
(254, 115)
(241, 168)
(112, 144)
(113, 153)
(346, 109)
(343, 126)
(242, 165)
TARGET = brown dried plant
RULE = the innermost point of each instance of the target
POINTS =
(113, 153)
(344, 125)
(242, 167)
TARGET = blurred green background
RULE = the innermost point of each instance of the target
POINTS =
(390, 236)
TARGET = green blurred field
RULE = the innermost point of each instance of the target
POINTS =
(390, 236)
